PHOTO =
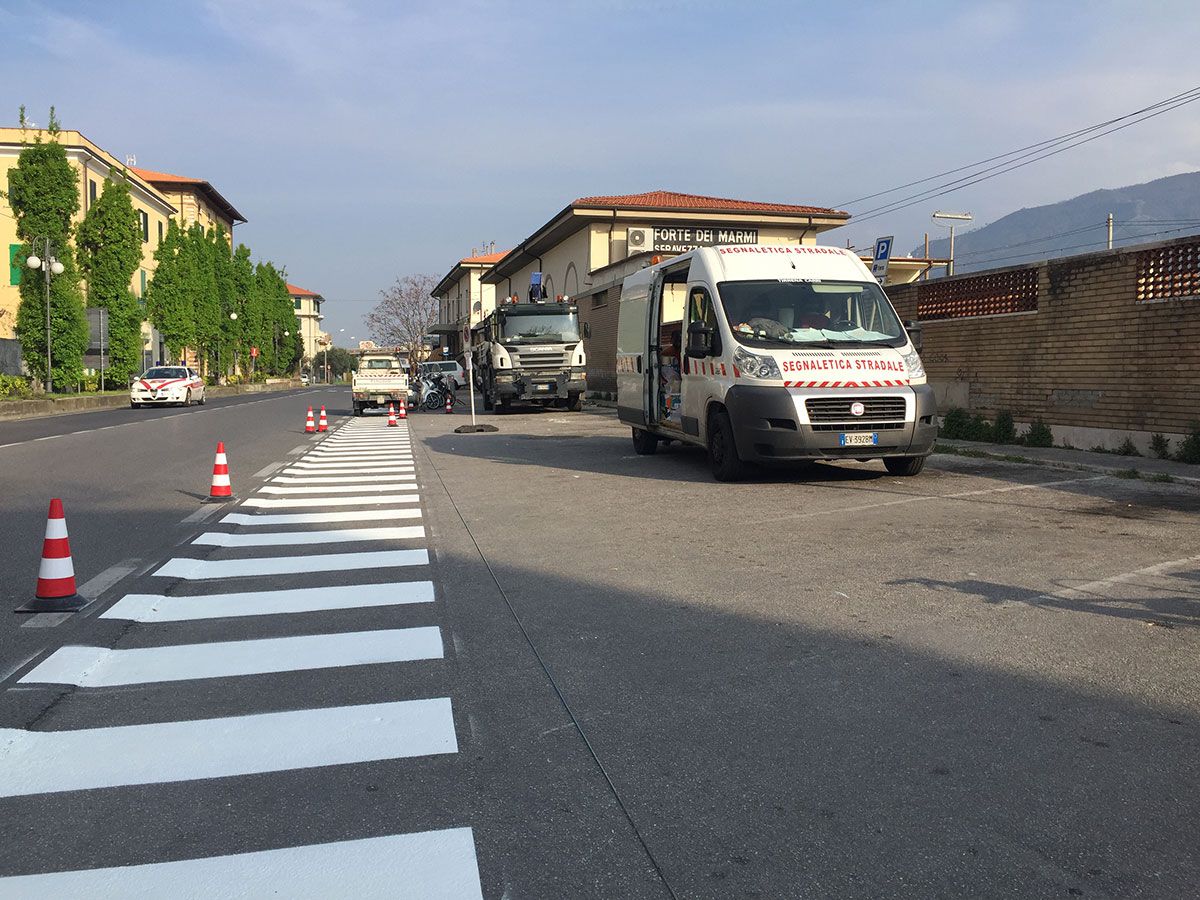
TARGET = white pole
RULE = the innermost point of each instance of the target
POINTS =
(471, 386)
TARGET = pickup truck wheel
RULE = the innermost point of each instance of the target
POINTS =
(904, 465)
(575, 401)
(722, 449)
(644, 443)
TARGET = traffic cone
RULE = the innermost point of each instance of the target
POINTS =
(403, 413)
(448, 410)
(392, 415)
(221, 489)
(56, 575)
(323, 424)
(309, 426)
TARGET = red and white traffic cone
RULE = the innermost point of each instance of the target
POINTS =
(323, 424)
(309, 425)
(403, 412)
(56, 575)
(448, 410)
(221, 489)
(392, 415)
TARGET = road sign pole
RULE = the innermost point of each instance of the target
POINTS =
(471, 387)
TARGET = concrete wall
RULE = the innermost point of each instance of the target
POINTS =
(1109, 349)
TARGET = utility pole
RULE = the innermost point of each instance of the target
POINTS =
(1110, 230)
(952, 218)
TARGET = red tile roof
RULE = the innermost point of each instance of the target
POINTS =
(302, 292)
(166, 178)
(676, 201)
(486, 257)
(149, 175)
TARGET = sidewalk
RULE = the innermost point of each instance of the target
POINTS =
(1085, 460)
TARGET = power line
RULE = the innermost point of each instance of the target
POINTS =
(1058, 250)
(1011, 165)
(1061, 137)
(1048, 237)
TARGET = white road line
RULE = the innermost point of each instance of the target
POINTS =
(408, 485)
(1094, 589)
(102, 667)
(94, 587)
(182, 567)
(150, 608)
(37, 762)
(320, 518)
(342, 479)
(357, 456)
(375, 499)
(336, 463)
(267, 470)
(206, 511)
(426, 865)
(297, 538)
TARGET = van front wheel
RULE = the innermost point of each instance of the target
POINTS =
(644, 443)
(722, 449)
(903, 465)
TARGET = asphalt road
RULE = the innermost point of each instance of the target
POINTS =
(827, 683)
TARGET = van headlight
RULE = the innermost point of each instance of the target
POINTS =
(912, 362)
(754, 365)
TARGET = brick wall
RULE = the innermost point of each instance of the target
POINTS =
(1109, 340)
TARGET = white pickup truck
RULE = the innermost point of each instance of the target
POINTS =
(380, 379)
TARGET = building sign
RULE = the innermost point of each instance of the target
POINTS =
(367, 345)
(684, 238)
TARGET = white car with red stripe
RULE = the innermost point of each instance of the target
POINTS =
(771, 354)
(167, 385)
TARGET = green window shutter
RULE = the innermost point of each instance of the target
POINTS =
(297, 304)
(14, 265)
(143, 291)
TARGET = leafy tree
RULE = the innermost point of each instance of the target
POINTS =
(227, 301)
(245, 299)
(341, 361)
(169, 294)
(109, 250)
(405, 315)
(43, 193)
(202, 288)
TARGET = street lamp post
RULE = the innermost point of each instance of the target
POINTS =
(50, 267)
(940, 216)
(232, 318)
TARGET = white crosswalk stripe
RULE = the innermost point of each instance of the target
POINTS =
(363, 473)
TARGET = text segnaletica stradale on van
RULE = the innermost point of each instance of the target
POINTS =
(771, 354)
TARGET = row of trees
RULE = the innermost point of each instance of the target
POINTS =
(203, 298)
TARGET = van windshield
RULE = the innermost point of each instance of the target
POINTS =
(829, 313)
(549, 328)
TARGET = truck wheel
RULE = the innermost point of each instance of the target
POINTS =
(358, 410)
(505, 404)
(722, 449)
(575, 401)
(644, 443)
(904, 465)
(488, 403)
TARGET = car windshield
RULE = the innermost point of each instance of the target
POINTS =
(826, 313)
(164, 372)
(548, 328)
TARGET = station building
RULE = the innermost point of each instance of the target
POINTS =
(585, 251)
(308, 312)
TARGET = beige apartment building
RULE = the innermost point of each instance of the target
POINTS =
(93, 165)
(586, 250)
(308, 312)
(464, 300)
(196, 200)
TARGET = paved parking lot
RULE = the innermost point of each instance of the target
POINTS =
(980, 681)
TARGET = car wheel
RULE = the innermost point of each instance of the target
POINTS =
(203, 397)
(187, 399)
(133, 405)
(722, 449)
(904, 465)
(644, 443)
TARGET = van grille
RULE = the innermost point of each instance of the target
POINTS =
(823, 410)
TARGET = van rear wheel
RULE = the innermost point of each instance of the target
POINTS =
(644, 443)
(904, 465)
(722, 449)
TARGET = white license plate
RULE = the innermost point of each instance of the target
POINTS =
(541, 387)
(860, 439)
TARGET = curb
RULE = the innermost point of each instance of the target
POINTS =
(1018, 459)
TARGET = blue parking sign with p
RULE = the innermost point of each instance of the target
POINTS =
(883, 248)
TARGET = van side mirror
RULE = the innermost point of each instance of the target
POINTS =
(913, 327)
(699, 343)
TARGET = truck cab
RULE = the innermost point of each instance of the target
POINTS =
(771, 354)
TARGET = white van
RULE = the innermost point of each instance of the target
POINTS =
(771, 354)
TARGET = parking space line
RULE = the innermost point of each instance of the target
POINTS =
(36, 762)
(105, 667)
(151, 608)
(1094, 589)
(197, 569)
(298, 538)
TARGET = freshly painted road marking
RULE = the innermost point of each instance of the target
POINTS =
(181, 567)
(37, 762)
(374, 499)
(150, 608)
(363, 472)
(408, 484)
(387, 461)
(342, 479)
(320, 518)
(357, 457)
(267, 470)
(296, 538)
(102, 667)
(94, 587)
(427, 865)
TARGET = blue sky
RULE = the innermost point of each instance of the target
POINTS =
(367, 140)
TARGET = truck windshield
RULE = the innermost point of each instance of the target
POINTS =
(786, 313)
(540, 328)
(374, 364)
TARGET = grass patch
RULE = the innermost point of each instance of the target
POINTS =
(1162, 478)
(1128, 473)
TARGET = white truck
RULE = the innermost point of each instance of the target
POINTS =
(381, 378)
(532, 352)
(771, 354)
